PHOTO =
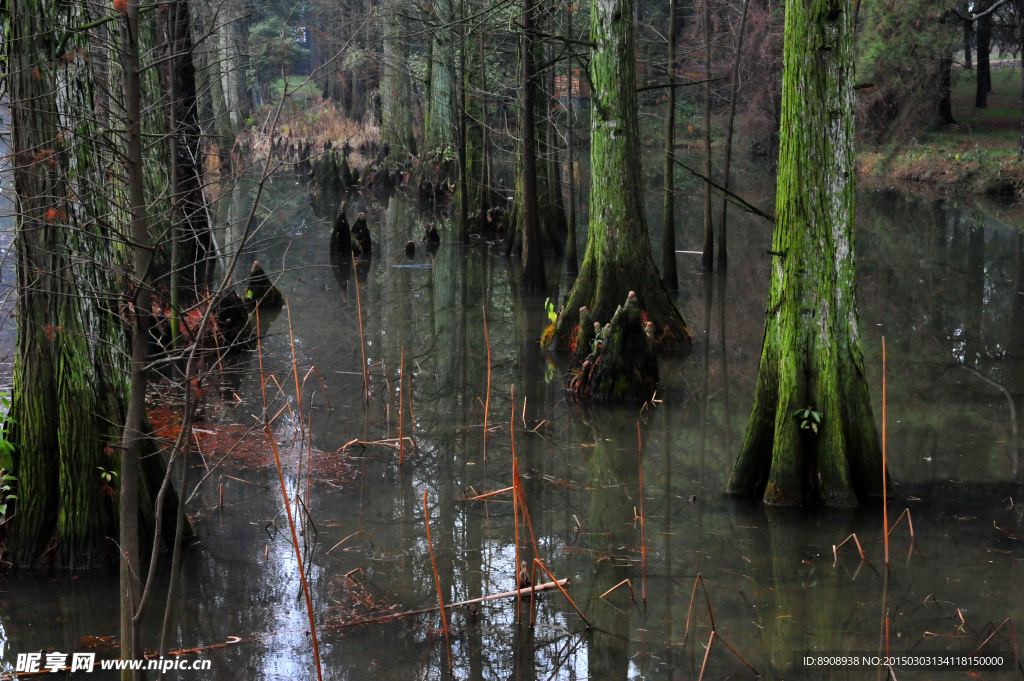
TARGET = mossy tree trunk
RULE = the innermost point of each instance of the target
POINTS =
(70, 378)
(441, 124)
(395, 87)
(618, 257)
(811, 356)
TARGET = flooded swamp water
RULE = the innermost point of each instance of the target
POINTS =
(942, 281)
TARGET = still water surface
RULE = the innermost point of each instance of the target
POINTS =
(941, 280)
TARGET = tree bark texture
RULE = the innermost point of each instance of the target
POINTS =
(571, 257)
(395, 86)
(70, 383)
(708, 259)
(442, 121)
(618, 257)
(811, 357)
(669, 272)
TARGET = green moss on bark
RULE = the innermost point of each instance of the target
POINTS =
(618, 257)
(811, 355)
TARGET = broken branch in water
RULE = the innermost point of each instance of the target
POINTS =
(368, 538)
(707, 599)
(540, 563)
(547, 586)
(486, 495)
(835, 549)
(906, 512)
(1013, 636)
(625, 581)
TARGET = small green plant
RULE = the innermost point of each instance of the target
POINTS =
(808, 418)
(106, 476)
(6, 497)
(7, 480)
(552, 312)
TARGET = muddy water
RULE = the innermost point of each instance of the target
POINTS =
(938, 279)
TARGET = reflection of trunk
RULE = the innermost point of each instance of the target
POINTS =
(984, 73)
(612, 466)
(708, 288)
(618, 258)
(1016, 342)
(722, 281)
(801, 602)
(974, 346)
(811, 357)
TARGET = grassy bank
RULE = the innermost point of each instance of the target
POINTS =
(976, 156)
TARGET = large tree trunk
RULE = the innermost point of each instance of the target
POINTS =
(571, 259)
(669, 272)
(533, 264)
(442, 123)
(707, 261)
(70, 378)
(944, 106)
(618, 258)
(190, 216)
(395, 87)
(984, 72)
(968, 41)
(811, 356)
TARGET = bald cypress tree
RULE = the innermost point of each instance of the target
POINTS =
(811, 360)
(70, 392)
(618, 257)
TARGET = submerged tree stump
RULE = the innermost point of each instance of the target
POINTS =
(616, 363)
(341, 237)
(361, 242)
(259, 291)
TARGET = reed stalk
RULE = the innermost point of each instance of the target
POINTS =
(437, 581)
(885, 490)
(643, 536)
(362, 337)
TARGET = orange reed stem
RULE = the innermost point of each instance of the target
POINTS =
(643, 535)
(362, 337)
(437, 580)
(885, 486)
